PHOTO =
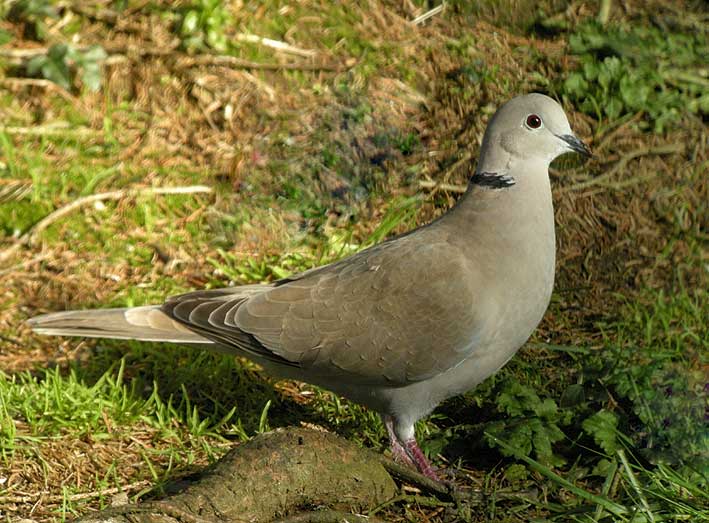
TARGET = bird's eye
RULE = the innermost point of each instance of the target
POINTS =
(533, 121)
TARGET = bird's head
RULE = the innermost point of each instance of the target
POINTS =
(529, 127)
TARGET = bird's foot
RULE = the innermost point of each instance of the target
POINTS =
(408, 452)
(399, 454)
(415, 454)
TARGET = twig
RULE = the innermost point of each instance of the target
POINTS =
(13, 341)
(45, 222)
(673, 148)
(123, 54)
(465, 158)
(239, 63)
(430, 184)
(630, 181)
(327, 516)
(18, 56)
(24, 264)
(151, 508)
(275, 44)
(46, 84)
(51, 130)
(58, 498)
(108, 16)
(425, 501)
(388, 503)
(270, 91)
(428, 14)
(409, 475)
(444, 186)
(613, 130)
(13, 190)
(604, 12)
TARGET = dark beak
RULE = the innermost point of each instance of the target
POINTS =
(575, 144)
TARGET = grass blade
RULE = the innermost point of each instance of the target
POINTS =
(610, 506)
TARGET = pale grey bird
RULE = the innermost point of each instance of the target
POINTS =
(403, 325)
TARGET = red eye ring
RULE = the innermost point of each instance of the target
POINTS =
(533, 121)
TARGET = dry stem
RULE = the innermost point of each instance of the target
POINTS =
(45, 222)
(603, 179)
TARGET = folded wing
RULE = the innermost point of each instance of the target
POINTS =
(400, 312)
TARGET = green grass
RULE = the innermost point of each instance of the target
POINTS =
(57, 403)
(38, 411)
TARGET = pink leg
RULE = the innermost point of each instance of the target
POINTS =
(419, 459)
(398, 452)
(409, 452)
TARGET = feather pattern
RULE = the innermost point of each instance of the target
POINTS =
(372, 318)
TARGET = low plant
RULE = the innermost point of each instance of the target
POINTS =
(205, 25)
(63, 63)
(32, 14)
(530, 424)
(624, 70)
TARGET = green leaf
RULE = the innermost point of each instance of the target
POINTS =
(576, 44)
(629, 92)
(52, 66)
(190, 23)
(603, 427)
(57, 52)
(614, 66)
(58, 72)
(604, 79)
(590, 70)
(572, 396)
(216, 39)
(544, 435)
(546, 409)
(520, 438)
(516, 472)
(613, 108)
(625, 70)
(533, 423)
(575, 84)
(95, 53)
(91, 76)
(609, 505)
(603, 467)
(90, 61)
(263, 419)
(34, 66)
(5, 36)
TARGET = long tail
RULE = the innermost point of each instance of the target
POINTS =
(146, 323)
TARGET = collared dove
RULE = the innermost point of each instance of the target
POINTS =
(405, 324)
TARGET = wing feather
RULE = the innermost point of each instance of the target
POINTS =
(399, 312)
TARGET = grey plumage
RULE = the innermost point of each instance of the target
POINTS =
(407, 323)
(146, 323)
